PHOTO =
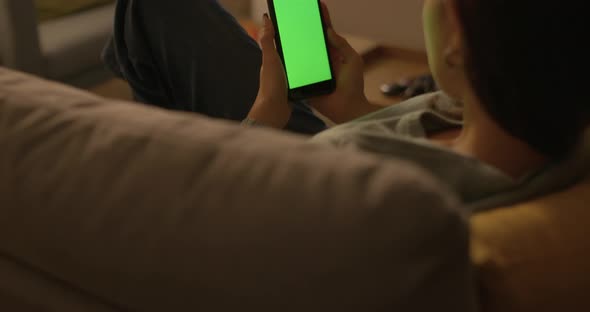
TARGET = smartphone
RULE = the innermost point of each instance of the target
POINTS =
(301, 41)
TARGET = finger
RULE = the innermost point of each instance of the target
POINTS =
(326, 15)
(267, 35)
(272, 68)
(270, 56)
(345, 50)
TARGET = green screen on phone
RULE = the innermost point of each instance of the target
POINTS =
(303, 42)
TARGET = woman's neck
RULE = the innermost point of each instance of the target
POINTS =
(484, 139)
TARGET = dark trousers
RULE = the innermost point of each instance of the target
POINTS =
(191, 55)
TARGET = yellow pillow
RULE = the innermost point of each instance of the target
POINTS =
(535, 256)
(50, 9)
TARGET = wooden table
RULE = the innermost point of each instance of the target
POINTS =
(386, 65)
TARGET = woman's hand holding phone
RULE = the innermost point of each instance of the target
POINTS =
(347, 102)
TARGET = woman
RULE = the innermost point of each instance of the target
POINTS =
(506, 61)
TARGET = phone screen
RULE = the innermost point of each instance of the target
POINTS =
(303, 42)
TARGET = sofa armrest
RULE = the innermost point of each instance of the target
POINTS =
(19, 37)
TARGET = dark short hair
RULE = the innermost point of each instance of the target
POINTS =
(525, 61)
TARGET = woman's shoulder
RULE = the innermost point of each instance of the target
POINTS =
(437, 101)
(403, 120)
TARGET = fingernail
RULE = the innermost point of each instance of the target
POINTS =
(265, 19)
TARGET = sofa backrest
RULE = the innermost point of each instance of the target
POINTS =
(535, 257)
(136, 208)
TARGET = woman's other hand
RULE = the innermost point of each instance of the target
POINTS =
(348, 100)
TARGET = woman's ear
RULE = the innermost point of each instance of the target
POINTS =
(454, 50)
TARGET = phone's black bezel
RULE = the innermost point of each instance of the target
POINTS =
(316, 89)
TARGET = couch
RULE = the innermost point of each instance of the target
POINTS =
(66, 48)
(115, 206)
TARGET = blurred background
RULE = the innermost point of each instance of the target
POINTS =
(62, 39)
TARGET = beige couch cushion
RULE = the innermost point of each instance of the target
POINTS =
(71, 45)
(51, 9)
(535, 257)
(148, 210)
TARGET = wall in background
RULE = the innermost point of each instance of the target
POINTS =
(395, 22)
(237, 7)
